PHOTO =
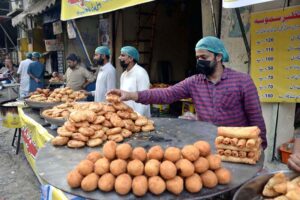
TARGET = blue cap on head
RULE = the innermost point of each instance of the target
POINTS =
(29, 55)
(131, 51)
(103, 50)
(36, 55)
(214, 45)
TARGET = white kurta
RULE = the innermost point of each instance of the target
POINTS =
(24, 82)
(106, 80)
(135, 80)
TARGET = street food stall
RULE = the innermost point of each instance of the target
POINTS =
(47, 155)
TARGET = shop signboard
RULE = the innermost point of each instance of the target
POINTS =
(72, 9)
(57, 27)
(52, 45)
(275, 54)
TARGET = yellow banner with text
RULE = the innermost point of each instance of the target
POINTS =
(72, 9)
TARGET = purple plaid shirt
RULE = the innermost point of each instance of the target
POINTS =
(233, 101)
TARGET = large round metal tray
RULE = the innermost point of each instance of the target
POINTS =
(54, 163)
(57, 121)
(37, 104)
(252, 190)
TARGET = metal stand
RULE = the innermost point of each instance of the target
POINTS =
(19, 139)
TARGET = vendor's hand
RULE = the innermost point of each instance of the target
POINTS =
(124, 96)
(85, 92)
(54, 74)
(37, 80)
(294, 162)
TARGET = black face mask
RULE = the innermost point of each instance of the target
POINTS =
(123, 64)
(99, 62)
(206, 67)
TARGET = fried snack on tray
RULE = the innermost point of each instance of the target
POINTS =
(239, 144)
(92, 123)
(58, 95)
(113, 98)
(280, 187)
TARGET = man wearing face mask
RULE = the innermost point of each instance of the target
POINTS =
(106, 78)
(221, 95)
(134, 78)
(76, 76)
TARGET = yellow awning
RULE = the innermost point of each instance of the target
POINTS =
(72, 9)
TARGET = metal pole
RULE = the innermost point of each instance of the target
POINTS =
(7, 35)
(220, 19)
(238, 14)
(213, 17)
(81, 41)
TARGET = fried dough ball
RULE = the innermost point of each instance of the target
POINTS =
(203, 147)
(223, 175)
(80, 137)
(116, 120)
(136, 129)
(60, 141)
(106, 182)
(75, 144)
(90, 182)
(86, 131)
(101, 166)
(109, 150)
(141, 121)
(116, 138)
(193, 183)
(214, 161)
(113, 98)
(175, 185)
(123, 184)
(113, 131)
(139, 153)
(185, 168)
(94, 142)
(126, 133)
(148, 128)
(167, 169)
(118, 167)
(139, 185)
(152, 167)
(155, 152)
(172, 154)
(135, 168)
(85, 167)
(190, 152)
(209, 179)
(94, 156)
(201, 165)
(156, 185)
(123, 151)
(74, 179)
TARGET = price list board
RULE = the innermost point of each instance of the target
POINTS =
(275, 54)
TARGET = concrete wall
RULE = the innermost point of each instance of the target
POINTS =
(88, 27)
(177, 29)
(239, 61)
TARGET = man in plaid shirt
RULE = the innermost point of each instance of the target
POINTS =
(221, 95)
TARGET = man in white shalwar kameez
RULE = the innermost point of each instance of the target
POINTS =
(134, 78)
(24, 77)
(106, 78)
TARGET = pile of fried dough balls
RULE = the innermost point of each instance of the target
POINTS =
(93, 123)
(58, 95)
(123, 168)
